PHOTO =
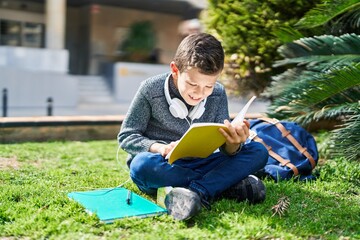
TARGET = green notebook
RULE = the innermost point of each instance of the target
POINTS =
(115, 203)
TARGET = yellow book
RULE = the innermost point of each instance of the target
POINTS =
(202, 139)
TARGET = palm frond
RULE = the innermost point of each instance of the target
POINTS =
(329, 112)
(304, 100)
(340, 83)
(346, 138)
(287, 34)
(325, 45)
(321, 63)
(324, 82)
(347, 23)
(353, 19)
(282, 81)
(330, 53)
(327, 11)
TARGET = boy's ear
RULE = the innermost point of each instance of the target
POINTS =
(174, 70)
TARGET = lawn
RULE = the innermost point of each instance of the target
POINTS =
(35, 179)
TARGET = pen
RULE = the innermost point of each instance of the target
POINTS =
(128, 198)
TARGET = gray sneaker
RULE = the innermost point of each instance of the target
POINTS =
(182, 203)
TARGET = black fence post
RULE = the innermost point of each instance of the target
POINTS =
(49, 106)
(4, 102)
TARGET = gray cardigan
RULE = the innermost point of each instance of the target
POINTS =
(149, 120)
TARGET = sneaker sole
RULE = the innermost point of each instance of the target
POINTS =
(182, 203)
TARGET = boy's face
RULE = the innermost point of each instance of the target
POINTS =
(193, 85)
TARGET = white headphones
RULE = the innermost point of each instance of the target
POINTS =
(178, 109)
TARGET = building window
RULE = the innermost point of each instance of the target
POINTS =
(33, 35)
(10, 33)
(25, 34)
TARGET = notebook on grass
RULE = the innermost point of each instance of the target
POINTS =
(115, 203)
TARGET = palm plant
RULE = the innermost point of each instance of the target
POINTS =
(323, 77)
(336, 16)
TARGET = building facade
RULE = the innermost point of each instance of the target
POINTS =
(88, 34)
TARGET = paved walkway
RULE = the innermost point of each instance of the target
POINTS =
(98, 109)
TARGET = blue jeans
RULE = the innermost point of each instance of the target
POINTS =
(209, 176)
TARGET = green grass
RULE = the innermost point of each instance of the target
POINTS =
(36, 177)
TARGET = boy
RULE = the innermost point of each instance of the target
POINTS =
(161, 112)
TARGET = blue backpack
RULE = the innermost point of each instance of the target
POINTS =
(292, 150)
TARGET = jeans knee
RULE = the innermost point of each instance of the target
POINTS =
(261, 154)
(143, 171)
(140, 164)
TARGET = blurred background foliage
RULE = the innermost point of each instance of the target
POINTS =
(247, 30)
(139, 43)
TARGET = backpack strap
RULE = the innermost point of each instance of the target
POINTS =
(287, 134)
(277, 157)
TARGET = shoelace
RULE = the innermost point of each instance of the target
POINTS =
(205, 203)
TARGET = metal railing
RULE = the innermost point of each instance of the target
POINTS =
(49, 104)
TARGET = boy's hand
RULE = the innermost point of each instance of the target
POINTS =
(163, 149)
(236, 135)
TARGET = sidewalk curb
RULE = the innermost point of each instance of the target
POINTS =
(65, 128)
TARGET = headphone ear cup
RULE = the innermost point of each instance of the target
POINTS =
(198, 111)
(178, 109)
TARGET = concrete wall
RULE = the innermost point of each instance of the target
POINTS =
(65, 128)
(32, 88)
(35, 59)
(128, 76)
(25, 16)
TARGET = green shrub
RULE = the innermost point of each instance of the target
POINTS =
(139, 42)
(247, 28)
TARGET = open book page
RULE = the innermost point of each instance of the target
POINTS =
(241, 115)
(202, 139)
